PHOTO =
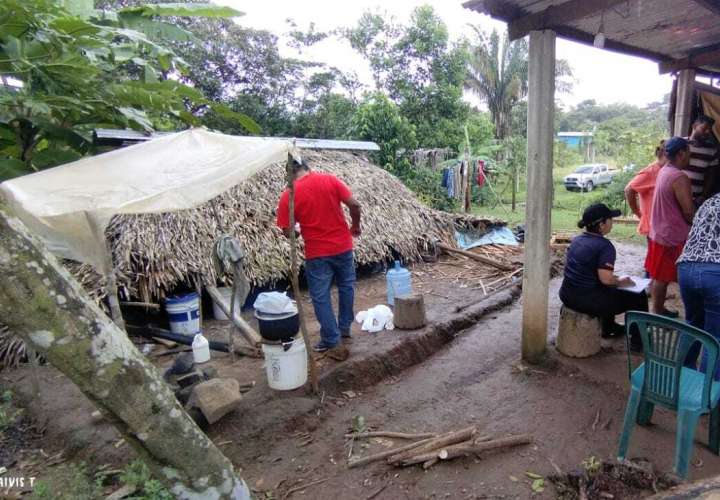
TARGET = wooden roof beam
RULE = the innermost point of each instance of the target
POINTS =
(558, 15)
(576, 35)
(708, 56)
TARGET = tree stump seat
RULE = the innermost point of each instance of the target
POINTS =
(578, 334)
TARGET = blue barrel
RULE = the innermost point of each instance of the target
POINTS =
(399, 282)
(184, 313)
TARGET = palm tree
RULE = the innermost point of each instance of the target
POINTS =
(497, 74)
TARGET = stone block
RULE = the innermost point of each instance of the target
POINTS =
(216, 398)
(578, 334)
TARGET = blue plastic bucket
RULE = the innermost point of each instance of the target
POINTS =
(184, 313)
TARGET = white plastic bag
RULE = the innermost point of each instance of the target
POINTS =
(376, 319)
(274, 303)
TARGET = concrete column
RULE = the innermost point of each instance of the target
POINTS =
(683, 106)
(541, 115)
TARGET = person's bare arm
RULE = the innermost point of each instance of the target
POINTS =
(682, 187)
(355, 214)
(631, 196)
(608, 278)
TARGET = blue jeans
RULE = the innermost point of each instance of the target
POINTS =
(700, 290)
(320, 274)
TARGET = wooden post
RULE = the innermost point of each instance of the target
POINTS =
(536, 275)
(111, 290)
(312, 367)
(683, 104)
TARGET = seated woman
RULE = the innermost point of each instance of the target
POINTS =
(590, 285)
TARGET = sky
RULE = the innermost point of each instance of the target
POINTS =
(601, 75)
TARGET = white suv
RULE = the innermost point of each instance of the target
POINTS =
(586, 177)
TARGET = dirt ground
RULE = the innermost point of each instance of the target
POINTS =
(573, 408)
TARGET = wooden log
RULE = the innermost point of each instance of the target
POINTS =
(387, 453)
(389, 434)
(578, 334)
(485, 260)
(409, 312)
(248, 332)
(469, 448)
(434, 444)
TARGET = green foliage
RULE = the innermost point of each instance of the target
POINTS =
(138, 475)
(614, 195)
(420, 70)
(566, 157)
(8, 413)
(66, 482)
(426, 184)
(379, 119)
(71, 73)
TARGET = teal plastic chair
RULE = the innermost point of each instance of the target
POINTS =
(663, 380)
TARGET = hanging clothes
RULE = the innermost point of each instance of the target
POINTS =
(451, 182)
(480, 176)
(445, 174)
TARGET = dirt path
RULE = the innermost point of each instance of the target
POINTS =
(474, 381)
(573, 408)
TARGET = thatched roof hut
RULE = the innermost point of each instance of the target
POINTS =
(155, 253)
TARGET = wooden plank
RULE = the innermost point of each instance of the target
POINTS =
(248, 332)
(683, 103)
(536, 275)
(579, 36)
(558, 15)
(705, 57)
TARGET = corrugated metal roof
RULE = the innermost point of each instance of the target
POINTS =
(672, 32)
(113, 136)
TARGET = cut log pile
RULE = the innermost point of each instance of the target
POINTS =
(428, 449)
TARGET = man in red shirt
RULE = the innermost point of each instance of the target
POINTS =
(328, 247)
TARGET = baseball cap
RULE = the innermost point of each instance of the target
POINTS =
(597, 212)
(674, 145)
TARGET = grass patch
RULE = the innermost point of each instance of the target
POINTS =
(568, 207)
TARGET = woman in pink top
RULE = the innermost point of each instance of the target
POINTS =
(640, 190)
(672, 214)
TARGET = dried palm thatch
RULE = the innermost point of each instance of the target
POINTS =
(153, 254)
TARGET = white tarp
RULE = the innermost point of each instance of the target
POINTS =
(71, 205)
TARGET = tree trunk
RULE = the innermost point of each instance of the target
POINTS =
(44, 305)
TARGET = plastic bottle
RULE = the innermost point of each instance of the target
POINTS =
(200, 349)
(399, 282)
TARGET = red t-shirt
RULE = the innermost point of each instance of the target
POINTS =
(318, 209)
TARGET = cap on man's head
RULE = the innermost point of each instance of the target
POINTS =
(596, 213)
(674, 145)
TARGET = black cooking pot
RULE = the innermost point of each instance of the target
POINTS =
(278, 326)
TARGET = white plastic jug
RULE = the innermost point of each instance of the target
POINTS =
(200, 349)
(286, 366)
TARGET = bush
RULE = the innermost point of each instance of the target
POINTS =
(614, 195)
(426, 184)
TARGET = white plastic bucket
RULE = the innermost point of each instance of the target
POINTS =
(286, 370)
(184, 314)
(226, 292)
